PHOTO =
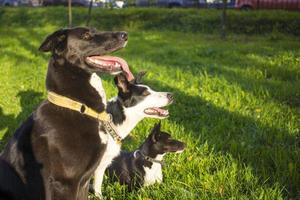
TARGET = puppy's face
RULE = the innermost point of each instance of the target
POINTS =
(162, 142)
(87, 48)
(142, 100)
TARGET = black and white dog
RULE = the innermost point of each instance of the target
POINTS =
(143, 167)
(133, 103)
(55, 152)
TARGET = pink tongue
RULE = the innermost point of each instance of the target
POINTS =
(123, 63)
(158, 110)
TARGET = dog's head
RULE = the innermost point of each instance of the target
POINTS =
(160, 142)
(141, 99)
(87, 48)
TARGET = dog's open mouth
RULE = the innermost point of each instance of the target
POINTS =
(110, 64)
(159, 112)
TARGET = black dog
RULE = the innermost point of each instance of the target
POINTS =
(56, 150)
(143, 167)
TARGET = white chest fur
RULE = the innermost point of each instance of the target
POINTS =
(154, 174)
(96, 82)
(112, 150)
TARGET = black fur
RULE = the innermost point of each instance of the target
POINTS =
(56, 150)
(115, 108)
(129, 94)
(128, 167)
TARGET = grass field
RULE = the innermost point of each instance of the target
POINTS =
(237, 102)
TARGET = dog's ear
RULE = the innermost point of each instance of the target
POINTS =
(122, 83)
(155, 133)
(55, 41)
(139, 77)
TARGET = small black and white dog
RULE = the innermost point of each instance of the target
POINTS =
(143, 167)
(133, 103)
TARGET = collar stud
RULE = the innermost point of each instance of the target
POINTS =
(82, 109)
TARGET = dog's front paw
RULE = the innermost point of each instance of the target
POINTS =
(99, 195)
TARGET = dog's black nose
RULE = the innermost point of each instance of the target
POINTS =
(123, 36)
(183, 145)
(170, 96)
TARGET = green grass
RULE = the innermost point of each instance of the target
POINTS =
(237, 101)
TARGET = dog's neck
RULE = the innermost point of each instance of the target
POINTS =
(73, 82)
(146, 150)
(124, 119)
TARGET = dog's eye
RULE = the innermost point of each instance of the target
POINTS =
(86, 36)
(146, 93)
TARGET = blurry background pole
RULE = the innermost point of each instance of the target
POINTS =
(70, 12)
(89, 13)
(223, 20)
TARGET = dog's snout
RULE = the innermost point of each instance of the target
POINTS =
(123, 36)
(170, 96)
(183, 145)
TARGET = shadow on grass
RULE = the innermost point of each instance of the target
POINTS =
(28, 100)
(15, 127)
(285, 92)
(24, 41)
(245, 138)
(219, 58)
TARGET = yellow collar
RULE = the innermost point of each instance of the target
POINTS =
(84, 109)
